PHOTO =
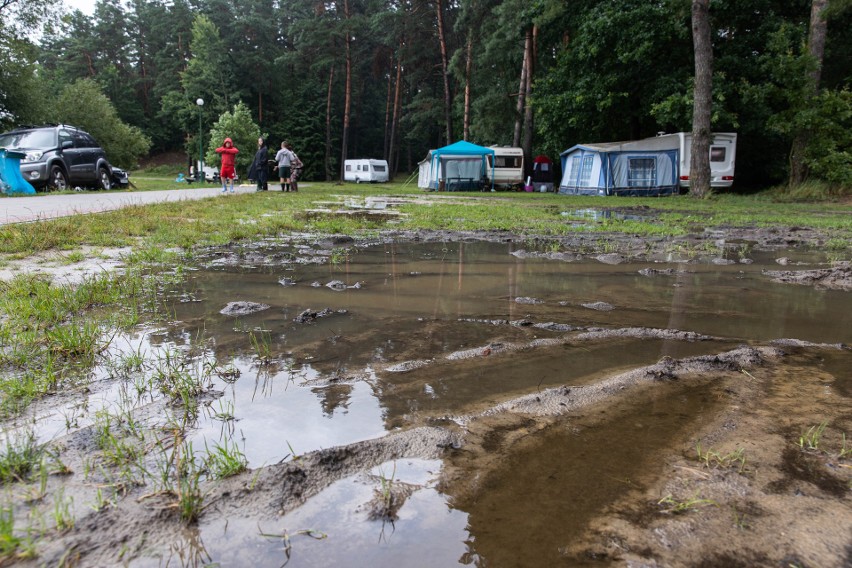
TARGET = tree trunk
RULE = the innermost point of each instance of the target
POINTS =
(328, 174)
(522, 91)
(347, 91)
(699, 164)
(468, 69)
(448, 100)
(388, 102)
(816, 49)
(397, 97)
(527, 138)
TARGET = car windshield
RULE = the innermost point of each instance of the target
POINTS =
(28, 139)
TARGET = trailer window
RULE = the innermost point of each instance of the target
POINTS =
(507, 161)
(348, 167)
(379, 168)
(642, 172)
(717, 153)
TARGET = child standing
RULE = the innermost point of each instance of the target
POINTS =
(284, 157)
(295, 169)
(229, 153)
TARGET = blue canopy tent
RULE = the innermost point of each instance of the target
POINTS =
(458, 167)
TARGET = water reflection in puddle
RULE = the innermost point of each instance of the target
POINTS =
(275, 417)
(341, 533)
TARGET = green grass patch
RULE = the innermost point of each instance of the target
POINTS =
(219, 220)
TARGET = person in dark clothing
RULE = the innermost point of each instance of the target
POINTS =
(259, 169)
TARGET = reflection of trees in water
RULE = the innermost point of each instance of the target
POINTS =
(333, 397)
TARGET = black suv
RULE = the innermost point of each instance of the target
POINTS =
(59, 157)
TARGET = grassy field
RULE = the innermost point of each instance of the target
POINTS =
(187, 224)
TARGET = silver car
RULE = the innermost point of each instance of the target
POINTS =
(59, 157)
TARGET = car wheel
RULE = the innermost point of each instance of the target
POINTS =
(104, 181)
(58, 181)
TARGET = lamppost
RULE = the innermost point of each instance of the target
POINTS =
(200, 171)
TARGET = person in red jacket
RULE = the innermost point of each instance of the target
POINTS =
(229, 153)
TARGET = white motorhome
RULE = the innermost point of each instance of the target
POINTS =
(723, 154)
(508, 167)
(365, 171)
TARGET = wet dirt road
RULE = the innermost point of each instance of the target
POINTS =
(39, 207)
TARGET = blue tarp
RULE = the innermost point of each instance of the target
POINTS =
(10, 173)
(460, 165)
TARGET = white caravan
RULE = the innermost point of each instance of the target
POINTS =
(508, 167)
(365, 171)
(723, 154)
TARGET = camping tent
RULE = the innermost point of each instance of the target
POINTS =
(619, 168)
(457, 167)
(542, 175)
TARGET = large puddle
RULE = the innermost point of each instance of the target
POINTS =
(330, 380)
(356, 343)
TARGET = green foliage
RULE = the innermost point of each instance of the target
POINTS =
(82, 104)
(828, 119)
(209, 73)
(239, 127)
(18, 81)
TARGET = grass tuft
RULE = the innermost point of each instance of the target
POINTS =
(20, 457)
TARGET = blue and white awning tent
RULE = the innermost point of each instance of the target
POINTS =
(460, 166)
(619, 168)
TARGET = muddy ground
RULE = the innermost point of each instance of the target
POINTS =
(734, 476)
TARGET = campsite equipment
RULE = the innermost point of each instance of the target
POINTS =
(365, 170)
(542, 176)
(653, 166)
(528, 186)
(10, 173)
(461, 166)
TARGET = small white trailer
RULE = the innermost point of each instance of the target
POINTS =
(508, 167)
(365, 171)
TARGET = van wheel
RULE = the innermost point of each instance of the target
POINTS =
(104, 181)
(57, 180)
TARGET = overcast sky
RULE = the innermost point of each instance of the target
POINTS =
(85, 6)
